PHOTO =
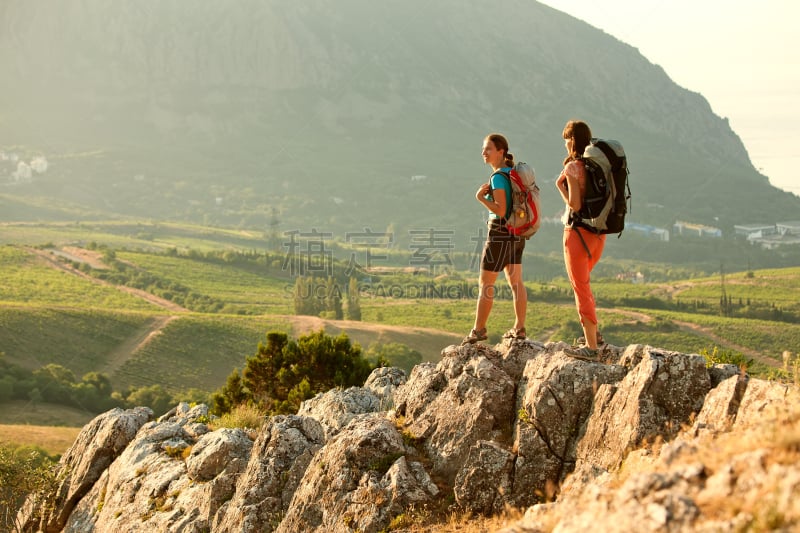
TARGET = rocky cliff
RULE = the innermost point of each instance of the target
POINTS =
(580, 445)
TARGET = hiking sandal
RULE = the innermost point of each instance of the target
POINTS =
(515, 333)
(474, 336)
(584, 353)
(582, 340)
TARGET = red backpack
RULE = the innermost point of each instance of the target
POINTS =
(525, 217)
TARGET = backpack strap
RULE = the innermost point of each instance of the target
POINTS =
(575, 216)
(509, 197)
(575, 225)
(575, 219)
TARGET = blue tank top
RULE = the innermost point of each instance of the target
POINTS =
(499, 181)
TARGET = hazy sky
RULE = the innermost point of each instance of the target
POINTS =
(742, 55)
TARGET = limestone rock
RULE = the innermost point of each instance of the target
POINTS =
(354, 482)
(653, 400)
(336, 408)
(383, 382)
(149, 488)
(721, 372)
(759, 399)
(216, 451)
(280, 455)
(513, 355)
(556, 398)
(97, 446)
(607, 444)
(484, 483)
(467, 397)
(721, 405)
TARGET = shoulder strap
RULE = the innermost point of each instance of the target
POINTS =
(510, 195)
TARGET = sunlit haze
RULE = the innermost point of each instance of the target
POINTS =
(743, 56)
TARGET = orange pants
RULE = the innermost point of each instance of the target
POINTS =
(579, 265)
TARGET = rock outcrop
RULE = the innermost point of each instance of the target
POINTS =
(519, 424)
(705, 480)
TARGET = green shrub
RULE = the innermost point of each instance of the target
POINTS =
(728, 357)
(285, 372)
(23, 471)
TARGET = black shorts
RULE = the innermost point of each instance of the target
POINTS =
(501, 248)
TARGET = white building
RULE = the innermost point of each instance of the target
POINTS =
(788, 228)
(754, 230)
(23, 173)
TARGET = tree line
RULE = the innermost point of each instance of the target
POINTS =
(92, 393)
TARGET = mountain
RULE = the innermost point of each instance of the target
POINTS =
(340, 116)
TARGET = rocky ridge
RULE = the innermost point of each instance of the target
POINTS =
(519, 424)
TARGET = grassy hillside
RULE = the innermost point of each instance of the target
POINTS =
(19, 413)
(129, 233)
(52, 312)
(51, 427)
(250, 292)
(196, 351)
(31, 279)
(79, 339)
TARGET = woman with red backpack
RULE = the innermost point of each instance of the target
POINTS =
(502, 250)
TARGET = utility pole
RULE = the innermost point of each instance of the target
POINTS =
(723, 302)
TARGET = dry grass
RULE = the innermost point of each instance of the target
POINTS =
(248, 417)
(776, 438)
(22, 412)
(54, 440)
(777, 431)
(423, 522)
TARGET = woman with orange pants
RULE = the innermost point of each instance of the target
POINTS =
(582, 246)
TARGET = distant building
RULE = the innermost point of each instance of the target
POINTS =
(788, 228)
(23, 173)
(771, 242)
(39, 164)
(632, 277)
(755, 231)
(698, 230)
(770, 236)
(648, 231)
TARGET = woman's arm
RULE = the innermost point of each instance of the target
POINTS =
(496, 203)
(569, 185)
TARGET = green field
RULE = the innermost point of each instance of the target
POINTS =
(52, 313)
(196, 351)
(241, 290)
(28, 280)
(79, 339)
(130, 234)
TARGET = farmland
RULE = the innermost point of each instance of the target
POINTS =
(181, 307)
